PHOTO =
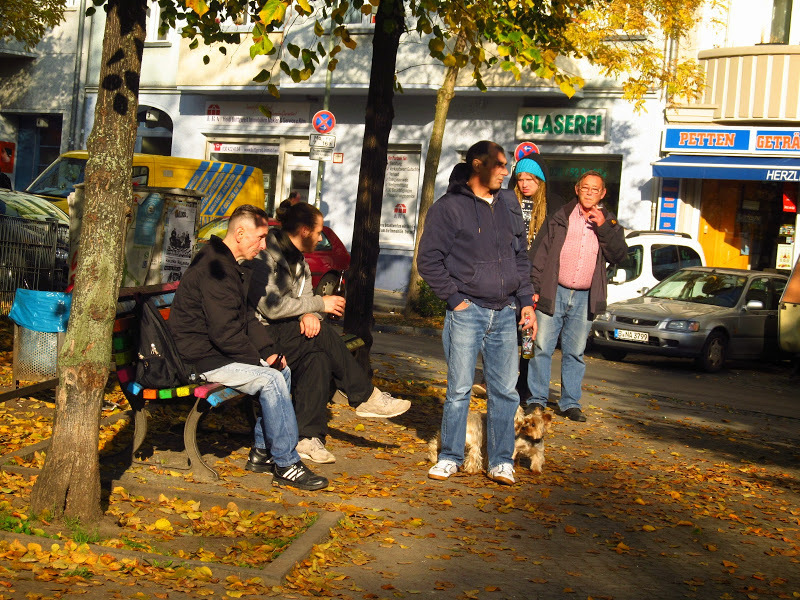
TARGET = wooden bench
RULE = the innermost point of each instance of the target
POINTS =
(202, 397)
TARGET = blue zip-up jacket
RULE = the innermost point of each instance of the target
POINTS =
(473, 250)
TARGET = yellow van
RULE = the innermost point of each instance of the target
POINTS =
(224, 185)
(789, 314)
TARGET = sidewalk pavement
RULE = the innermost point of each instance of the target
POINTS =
(674, 495)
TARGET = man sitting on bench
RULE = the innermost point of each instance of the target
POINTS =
(282, 289)
(216, 331)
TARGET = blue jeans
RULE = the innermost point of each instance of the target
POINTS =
(571, 320)
(276, 428)
(493, 333)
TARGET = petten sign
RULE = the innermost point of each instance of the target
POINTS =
(563, 125)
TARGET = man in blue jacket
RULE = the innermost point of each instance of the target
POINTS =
(473, 255)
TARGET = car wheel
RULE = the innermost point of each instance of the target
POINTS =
(615, 355)
(327, 285)
(712, 356)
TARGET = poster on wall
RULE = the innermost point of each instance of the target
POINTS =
(783, 259)
(399, 212)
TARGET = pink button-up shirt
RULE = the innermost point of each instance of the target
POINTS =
(579, 253)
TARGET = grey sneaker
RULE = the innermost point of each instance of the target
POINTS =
(314, 450)
(442, 470)
(502, 473)
(381, 404)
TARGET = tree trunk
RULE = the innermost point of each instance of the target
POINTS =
(358, 319)
(443, 98)
(69, 483)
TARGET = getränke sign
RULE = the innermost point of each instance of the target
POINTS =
(562, 124)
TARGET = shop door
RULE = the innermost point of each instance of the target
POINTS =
(299, 175)
(720, 236)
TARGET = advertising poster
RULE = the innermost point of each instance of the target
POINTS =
(179, 232)
(400, 194)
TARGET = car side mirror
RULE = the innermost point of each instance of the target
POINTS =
(620, 276)
(754, 305)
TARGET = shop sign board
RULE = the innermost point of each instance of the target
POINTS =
(563, 125)
(399, 209)
(668, 205)
(755, 141)
(234, 112)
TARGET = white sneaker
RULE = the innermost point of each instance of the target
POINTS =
(502, 473)
(442, 470)
(381, 404)
(314, 450)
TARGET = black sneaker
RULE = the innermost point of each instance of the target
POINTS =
(298, 475)
(259, 461)
(533, 407)
(575, 414)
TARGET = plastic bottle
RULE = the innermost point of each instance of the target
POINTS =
(527, 343)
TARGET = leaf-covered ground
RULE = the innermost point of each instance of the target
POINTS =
(646, 500)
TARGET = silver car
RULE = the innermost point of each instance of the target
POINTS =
(705, 313)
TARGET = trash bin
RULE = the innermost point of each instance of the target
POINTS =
(40, 320)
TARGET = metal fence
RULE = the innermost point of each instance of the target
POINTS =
(33, 255)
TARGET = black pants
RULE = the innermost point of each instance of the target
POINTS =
(313, 362)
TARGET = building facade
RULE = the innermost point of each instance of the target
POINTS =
(730, 167)
(215, 110)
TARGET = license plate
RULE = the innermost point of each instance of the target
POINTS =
(631, 336)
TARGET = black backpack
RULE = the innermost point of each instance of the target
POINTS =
(159, 365)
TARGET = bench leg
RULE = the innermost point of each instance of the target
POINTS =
(139, 429)
(200, 470)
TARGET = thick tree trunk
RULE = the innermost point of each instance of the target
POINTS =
(443, 98)
(69, 483)
(389, 26)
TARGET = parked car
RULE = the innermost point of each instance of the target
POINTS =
(328, 262)
(789, 314)
(652, 257)
(704, 313)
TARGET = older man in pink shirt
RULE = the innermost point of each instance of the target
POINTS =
(568, 271)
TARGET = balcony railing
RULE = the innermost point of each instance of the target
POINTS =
(753, 83)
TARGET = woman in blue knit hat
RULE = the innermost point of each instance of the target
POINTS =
(530, 189)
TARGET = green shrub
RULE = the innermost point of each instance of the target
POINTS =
(428, 304)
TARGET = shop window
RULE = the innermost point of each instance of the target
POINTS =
(565, 170)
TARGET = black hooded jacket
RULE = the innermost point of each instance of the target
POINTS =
(471, 249)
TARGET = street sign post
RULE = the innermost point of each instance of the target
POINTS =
(324, 154)
(323, 121)
(320, 140)
(524, 149)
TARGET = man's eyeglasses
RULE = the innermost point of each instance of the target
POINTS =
(590, 191)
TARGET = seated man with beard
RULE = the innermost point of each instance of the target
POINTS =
(281, 288)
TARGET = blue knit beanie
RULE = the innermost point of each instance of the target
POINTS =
(528, 165)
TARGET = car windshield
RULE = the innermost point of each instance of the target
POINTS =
(60, 178)
(701, 287)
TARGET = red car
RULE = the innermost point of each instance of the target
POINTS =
(328, 262)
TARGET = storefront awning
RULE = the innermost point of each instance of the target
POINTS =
(753, 168)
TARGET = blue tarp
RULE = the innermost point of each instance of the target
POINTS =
(752, 168)
(41, 311)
